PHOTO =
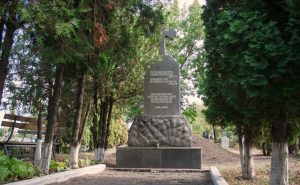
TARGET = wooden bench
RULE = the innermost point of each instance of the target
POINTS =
(25, 125)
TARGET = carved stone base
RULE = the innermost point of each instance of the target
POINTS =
(160, 131)
(162, 157)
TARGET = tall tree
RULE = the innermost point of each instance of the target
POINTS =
(130, 39)
(55, 37)
(254, 53)
(9, 23)
(79, 123)
(29, 83)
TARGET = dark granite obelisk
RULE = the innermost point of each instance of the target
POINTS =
(161, 86)
(162, 124)
(161, 138)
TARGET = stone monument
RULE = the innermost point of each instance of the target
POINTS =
(225, 142)
(161, 138)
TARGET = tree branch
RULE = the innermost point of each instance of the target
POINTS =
(127, 96)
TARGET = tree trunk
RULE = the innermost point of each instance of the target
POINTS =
(248, 163)
(264, 149)
(50, 94)
(279, 164)
(75, 143)
(38, 153)
(99, 154)
(94, 128)
(241, 147)
(78, 108)
(297, 146)
(215, 134)
(111, 103)
(6, 50)
(73, 160)
(279, 161)
(76, 146)
(38, 149)
(46, 157)
(103, 118)
(52, 115)
(84, 122)
(2, 23)
(100, 150)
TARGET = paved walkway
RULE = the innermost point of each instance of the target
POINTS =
(111, 177)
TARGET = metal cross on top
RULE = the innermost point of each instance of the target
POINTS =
(171, 33)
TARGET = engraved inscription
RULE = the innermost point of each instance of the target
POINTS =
(161, 97)
(163, 77)
(161, 88)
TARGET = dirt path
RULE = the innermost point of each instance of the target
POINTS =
(110, 177)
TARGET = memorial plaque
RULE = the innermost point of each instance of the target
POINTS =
(161, 88)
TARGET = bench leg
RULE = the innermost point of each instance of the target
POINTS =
(53, 154)
(21, 151)
(5, 150)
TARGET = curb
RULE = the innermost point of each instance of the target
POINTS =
(160, 170)
(216, 176)
(62, 176)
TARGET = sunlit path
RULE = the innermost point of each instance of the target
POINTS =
(110, 177)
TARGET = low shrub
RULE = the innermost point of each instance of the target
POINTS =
(85, 162)
(12, 168)
(56, 166)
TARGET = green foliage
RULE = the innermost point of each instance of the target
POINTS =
(87, 136)
(295, 132)
(56, 26)
(5, 172)
(200, 125)
(57, 166)
(14, 168)
(250, 72)
(134, 108)
(85, 162)
(119, 133)
(186, 48)
(190, 113)
(66, 29)
(229, 131)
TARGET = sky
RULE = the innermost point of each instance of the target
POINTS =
(189, 2)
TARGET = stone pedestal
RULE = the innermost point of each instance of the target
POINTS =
(161, 157)
(159, 142)
(160, 131)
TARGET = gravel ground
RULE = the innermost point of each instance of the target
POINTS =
(212, 154)
(111, 177)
